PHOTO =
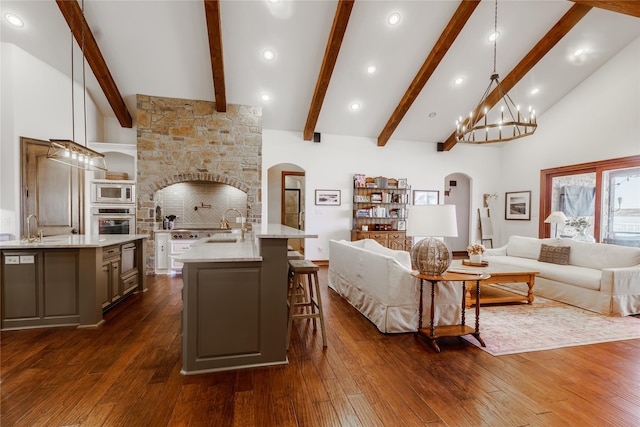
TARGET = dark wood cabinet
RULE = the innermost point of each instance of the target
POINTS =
(40, 287)
(51, 285)
(380, 211)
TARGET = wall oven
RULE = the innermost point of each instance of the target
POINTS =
(106, 191)
(113, 219)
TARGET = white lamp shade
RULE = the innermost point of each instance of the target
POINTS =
(432, 221)
(556, 217)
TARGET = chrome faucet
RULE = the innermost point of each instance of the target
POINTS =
(34, 238)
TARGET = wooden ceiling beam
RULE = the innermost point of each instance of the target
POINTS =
(214, 31)
(553, 36)
(340, 21)
(440, 49)
(631, 8)
(75, 19)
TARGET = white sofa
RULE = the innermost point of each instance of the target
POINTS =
(599, 277)
(378, 282)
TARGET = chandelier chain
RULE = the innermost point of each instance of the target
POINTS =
(495, 35)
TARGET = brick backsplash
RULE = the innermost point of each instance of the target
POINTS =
(210, 199)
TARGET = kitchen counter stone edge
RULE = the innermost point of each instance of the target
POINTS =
(74, 241)
(206, 250)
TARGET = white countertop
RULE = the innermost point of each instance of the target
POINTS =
(279, 231)
(262, 231)
(74, 241)
(204, 250)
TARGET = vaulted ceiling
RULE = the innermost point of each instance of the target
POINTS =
(213, 50)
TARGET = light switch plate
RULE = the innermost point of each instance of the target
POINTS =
(26, 259)
(12, 260)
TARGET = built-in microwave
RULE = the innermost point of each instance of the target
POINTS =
(113, 192)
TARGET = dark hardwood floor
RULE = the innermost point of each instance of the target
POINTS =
(127, 373)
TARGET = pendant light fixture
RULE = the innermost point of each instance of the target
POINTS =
(495, 121)
(68, 151)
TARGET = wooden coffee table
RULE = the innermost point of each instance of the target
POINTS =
(500, 273)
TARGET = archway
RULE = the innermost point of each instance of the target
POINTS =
(458, 192)
(286, 198)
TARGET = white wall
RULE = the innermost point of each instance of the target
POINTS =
(36, 103)
(331, 164)
(459, 196)
(598, 120)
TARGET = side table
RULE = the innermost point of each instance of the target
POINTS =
(435, 332)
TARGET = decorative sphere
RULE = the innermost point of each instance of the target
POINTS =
(431, 256)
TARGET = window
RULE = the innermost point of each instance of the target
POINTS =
(620, 220)
(606, 194)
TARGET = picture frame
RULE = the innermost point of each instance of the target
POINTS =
(402, 182)
(517, 205)
(426, 197)
(402, 225)
(376, 197)
(328, 198)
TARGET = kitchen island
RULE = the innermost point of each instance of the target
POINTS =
(235, 299)
(68, 280)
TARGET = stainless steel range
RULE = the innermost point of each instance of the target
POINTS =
(195, 234)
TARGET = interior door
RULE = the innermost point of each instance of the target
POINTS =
(293, 205)
(292, 208)
(54, 192)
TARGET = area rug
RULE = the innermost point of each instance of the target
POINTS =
(546, 325)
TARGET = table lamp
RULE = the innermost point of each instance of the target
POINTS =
(556, 217)
(431, 256)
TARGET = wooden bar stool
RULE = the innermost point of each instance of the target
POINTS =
(294, 255)
(303, 278)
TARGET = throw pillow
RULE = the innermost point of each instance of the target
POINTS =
(554, 254)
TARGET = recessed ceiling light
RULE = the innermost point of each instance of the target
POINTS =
(433, 114)
(265, 97)
(13, 19)
(268, 55)
(458, 81)
(534, 91)
(578, 52)
(355, 106)
(394, 18)
(494, 36)
(371, 69)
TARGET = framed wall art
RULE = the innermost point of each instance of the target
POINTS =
(426, 197)
(328, 197)
(517, 205)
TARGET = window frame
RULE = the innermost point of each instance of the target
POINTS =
(546, 187)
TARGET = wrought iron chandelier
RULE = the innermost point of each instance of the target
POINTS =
(487, 123)
(67, 151)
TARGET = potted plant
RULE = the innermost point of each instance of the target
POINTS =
(475, 252)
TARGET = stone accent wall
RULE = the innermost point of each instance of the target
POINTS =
(181, 140)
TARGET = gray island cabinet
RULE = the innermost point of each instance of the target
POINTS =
(235, 300)
(68, 280)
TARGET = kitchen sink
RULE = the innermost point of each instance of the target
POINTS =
(51, 239)
(221, 238)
